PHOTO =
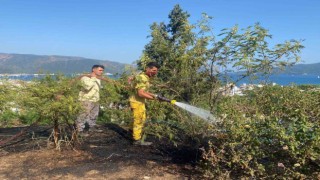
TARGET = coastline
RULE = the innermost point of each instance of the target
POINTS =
(279, 79)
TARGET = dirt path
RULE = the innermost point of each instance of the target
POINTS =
(103, 155)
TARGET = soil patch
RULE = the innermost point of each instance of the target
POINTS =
(108, 154)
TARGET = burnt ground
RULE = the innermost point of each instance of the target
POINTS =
(102, 155)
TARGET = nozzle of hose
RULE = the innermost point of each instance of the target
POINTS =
(173, 101)
(161, 98)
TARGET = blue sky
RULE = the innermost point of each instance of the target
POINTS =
(117, 30)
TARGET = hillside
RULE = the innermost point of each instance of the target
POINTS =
(30, 64)
(312, 69)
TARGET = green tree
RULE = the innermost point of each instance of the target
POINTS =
(179, 53)
(196, 62)
(248, 53)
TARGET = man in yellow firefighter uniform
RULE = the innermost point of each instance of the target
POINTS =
(141, 85)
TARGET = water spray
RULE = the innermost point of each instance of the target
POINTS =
(202, 113)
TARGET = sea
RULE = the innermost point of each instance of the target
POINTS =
(280, 79)
(285, 80)
(31, 77)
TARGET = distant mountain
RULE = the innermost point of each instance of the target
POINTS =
(312, 69)
(31, 64)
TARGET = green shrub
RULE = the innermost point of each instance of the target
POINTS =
(8, 107)
(8, 118)
(272, 132)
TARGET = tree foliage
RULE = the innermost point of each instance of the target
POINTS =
(195, 62)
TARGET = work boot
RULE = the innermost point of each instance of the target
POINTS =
(142, 143)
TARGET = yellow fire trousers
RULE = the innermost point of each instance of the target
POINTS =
(139, 118)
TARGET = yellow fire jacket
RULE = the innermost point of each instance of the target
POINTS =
(140, 81)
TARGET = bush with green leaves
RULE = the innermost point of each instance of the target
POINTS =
(114, 104)
(53, 99)
(272, 132)
(8, 107)
(50, 101)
